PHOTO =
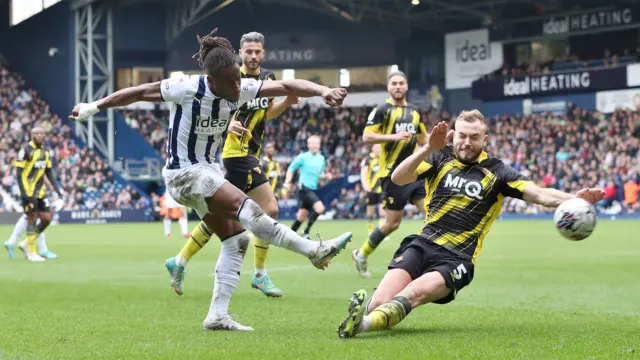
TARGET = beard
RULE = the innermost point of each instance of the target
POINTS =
(468, 155)
(253, 65)
(398, 95)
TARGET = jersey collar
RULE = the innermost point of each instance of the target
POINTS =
(245, 73)
(33, 145)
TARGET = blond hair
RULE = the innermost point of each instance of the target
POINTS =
(471, 116)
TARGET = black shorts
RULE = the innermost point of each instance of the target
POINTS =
(306, 198)
(36, 205)
(395, 197)
(418, 256)
(373, 198)
(244, 173)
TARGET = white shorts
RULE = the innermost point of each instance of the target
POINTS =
(191, 185)
(170, 202)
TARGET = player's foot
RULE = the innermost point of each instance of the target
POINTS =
(48, 255)
(23, 247)
(351, 325)
(361, 264)
(265, 285)
(168, 236)
(224, 323)
(35, 258)
(327, 250)
(305, 235)
(10, 249)
(177, 274)
(186, 236)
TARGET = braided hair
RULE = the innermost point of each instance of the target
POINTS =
(215, 53)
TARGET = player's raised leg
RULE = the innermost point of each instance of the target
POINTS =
(229, 200)
(263, 196)
(18, 230)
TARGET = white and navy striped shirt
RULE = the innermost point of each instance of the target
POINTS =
(199, 119)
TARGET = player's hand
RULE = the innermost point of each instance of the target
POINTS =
(403, 135)
(292, 100)
(592, 195)
(439, 136)
(83, 111)
(334, 97)
(366, 188)
(58, 205)
(235, 127)
(287, 187)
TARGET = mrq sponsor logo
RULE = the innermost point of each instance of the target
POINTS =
(547, 83)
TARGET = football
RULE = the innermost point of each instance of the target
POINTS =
(575, 219)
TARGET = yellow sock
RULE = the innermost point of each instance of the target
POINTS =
(371, 226)
(199, 238)
(31, 242)
(366, 249)
(389, 315)
(260, 251)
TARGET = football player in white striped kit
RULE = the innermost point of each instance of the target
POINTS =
(201, 109)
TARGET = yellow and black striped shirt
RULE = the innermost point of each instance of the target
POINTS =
(463, 200)
(372, 165)
(253, 116)
(272, 169)
(33, 163)
(389, 119)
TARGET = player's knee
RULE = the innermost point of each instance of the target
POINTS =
(392, 225)
(319, 208)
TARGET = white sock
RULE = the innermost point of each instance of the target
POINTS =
(181, 261)
(18, 230)
(227, 273)
(262, 226)
(42, 243)
(167, 226)
(260, 272)
(184, 223)
(366, 322)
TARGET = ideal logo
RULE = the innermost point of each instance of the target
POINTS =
(205, 125)
(408, 127)
(473, 52)
(553, 26)
(472, 189)
(515, 88)
(260, 103)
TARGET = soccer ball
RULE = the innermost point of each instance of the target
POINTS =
(575, 219)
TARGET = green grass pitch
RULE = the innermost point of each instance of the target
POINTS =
(535, 296)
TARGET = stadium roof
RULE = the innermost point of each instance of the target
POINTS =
(439, 16)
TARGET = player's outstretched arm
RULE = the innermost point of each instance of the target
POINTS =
(124, 97)
(407, 171)
(552, 198)
(303, 88)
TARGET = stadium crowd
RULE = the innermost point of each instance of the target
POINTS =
(567, 152)
(86, 177)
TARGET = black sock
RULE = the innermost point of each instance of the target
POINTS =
(404, 302)
(376, 237)
(296, 225)
(312, 219)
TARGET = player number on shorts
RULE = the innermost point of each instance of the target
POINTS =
(458, 272)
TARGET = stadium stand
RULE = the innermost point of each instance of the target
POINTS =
(89, 181)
